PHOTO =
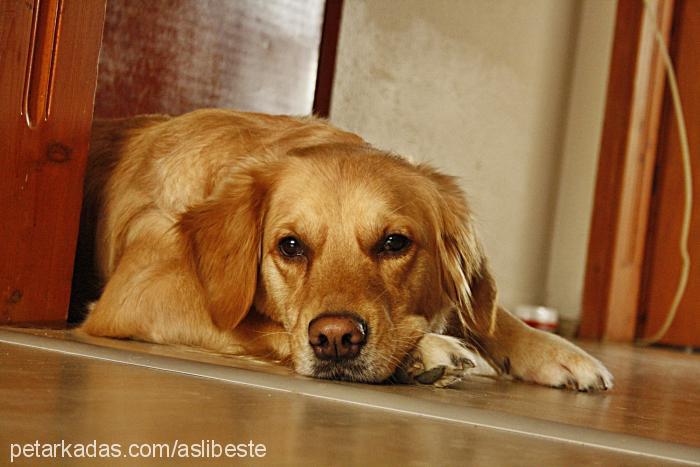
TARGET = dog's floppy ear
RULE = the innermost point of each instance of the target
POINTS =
(223, 237)
(465, 274)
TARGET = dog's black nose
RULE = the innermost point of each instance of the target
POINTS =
(337, 336)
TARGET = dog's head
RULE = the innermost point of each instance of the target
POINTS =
(356, 253)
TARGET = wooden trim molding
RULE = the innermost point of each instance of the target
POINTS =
(620, 216)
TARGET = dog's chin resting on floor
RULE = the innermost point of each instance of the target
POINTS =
(290, 239)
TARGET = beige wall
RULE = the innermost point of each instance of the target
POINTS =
(579, 157)
(481, 89)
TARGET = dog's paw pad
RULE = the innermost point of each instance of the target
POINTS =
(431, 376)
(591, 377)
(572, 370)
(438, 360)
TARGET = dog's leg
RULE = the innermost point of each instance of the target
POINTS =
(152, 296)
(531, 355)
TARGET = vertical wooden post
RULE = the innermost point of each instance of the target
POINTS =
(48, 58)
(625, 174)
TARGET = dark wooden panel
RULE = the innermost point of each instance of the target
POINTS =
(42, 162)
(327, 56)
(664, 261)
(173, 56)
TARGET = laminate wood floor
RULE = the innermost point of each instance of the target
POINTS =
(55, 386)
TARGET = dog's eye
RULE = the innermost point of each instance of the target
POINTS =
(394, 243)
(291, 247)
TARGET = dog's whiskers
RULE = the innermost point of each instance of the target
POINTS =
(272, 333)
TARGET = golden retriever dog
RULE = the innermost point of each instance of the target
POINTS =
(290, 239)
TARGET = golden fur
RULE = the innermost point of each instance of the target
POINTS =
(189, 213)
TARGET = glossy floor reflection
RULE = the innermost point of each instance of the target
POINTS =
(60, 394)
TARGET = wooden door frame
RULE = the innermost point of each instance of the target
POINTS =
(620, 217)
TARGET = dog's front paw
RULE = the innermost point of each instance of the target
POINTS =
(439, 360)
(558, 363)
